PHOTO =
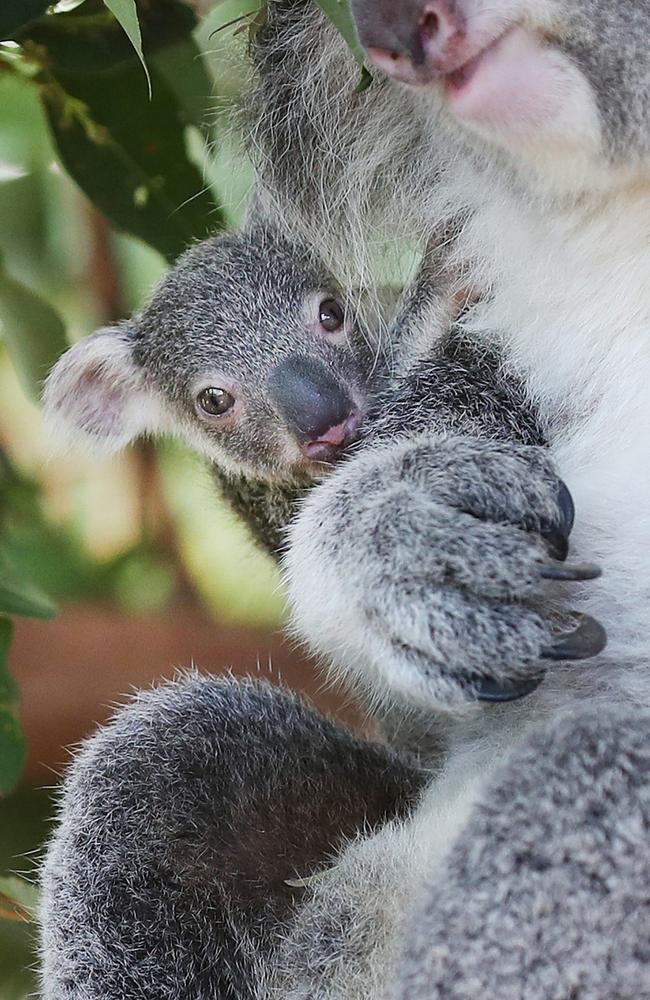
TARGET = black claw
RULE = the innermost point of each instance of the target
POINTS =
(582, 571)
(567, 506)
(588, 639)
(557, 543)
(491, 690)
(557, 536)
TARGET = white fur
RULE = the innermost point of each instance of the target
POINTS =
(572, 307)
(560, 243)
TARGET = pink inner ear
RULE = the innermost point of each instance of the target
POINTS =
(101, 401)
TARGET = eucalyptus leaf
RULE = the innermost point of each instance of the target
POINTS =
(89, 40)
(127, 152)
(21, 893)
(126, 12)
(32, 331)
(15, 14)
(13, 751)
(340, 15)
(21, 597)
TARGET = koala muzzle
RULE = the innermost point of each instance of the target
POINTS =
(415, 41)
(315, 406)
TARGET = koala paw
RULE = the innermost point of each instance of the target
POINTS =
(423, 568)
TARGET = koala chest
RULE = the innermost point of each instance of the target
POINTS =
(571, 310)
(605, 461)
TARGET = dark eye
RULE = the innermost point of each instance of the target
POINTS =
(330, 314)
(215, 402)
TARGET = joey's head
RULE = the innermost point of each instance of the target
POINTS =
(553, 80)
(246, 351)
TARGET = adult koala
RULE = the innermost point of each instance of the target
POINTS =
(523, 128)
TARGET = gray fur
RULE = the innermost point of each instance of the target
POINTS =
(415, 623)
(181, 822)
(438, 541)
(546, 894)
(608, 42)
(148, 778)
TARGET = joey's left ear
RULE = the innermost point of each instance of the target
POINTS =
(96, 391)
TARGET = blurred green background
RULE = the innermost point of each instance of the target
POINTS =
(100, 188)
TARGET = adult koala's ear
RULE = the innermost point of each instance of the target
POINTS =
(96, 391)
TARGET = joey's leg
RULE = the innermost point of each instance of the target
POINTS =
(180, 823)
(423, 566)
(546, 895)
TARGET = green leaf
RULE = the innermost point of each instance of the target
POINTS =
(21, 597)
(340, 15)
(184, 71)
(88, 40)
(126, 152)
(125, 11)
(15, 14)
(21, 893)
(8, 686)
(33, 332)
(13, 751)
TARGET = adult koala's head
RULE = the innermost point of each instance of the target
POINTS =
(551, 76)
(246, 351)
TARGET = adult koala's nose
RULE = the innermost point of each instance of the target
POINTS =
(415, 41)
(316, 408)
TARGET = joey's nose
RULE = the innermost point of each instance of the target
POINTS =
(414, 42)
(317, 409)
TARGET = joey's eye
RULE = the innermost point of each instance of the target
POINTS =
(215, 402)
(330, 315)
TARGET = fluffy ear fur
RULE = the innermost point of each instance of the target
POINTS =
(96, 390)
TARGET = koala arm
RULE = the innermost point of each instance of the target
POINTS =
(546, 893)
(180, 823)
(421, 567)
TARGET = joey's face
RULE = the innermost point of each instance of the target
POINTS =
(258, 363)
(557, 79)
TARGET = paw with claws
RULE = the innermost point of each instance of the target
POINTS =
(426, 568)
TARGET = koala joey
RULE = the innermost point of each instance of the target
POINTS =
(250, 353)
(246, 350)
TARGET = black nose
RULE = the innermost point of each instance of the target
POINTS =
(414, 41)
(316, 407)
(389, 26)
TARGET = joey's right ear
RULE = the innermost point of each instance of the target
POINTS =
(96, 391)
